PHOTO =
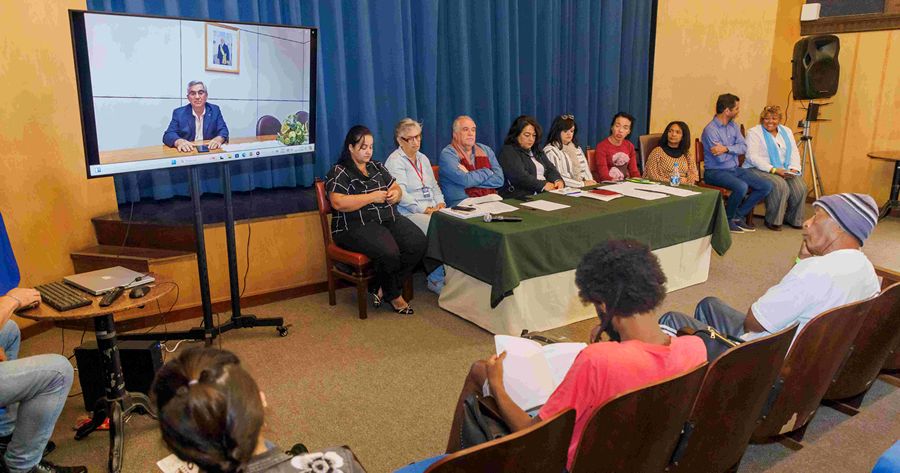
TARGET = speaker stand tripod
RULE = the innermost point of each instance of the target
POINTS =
(806, 155)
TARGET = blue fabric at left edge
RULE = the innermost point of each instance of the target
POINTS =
(9, 269)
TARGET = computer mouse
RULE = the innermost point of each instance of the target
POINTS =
(138, 292)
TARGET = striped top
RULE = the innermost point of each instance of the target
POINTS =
(659, 167)
(350, 181)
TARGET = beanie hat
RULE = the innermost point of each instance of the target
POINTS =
(857, 214)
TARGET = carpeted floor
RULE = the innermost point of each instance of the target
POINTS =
(386, 386)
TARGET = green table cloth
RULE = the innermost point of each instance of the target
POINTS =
(503, 253)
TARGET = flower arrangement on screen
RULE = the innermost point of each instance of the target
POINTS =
(293, 131)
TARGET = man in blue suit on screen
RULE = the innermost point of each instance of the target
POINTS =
(196, 120)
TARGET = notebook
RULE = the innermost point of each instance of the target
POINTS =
(104, 280)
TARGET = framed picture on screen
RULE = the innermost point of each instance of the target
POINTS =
(223, 48)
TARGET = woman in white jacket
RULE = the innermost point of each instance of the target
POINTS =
(563, 151)
(773, 155)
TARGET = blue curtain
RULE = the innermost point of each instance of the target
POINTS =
(382, 60)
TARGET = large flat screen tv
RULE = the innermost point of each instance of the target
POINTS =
(160, 92)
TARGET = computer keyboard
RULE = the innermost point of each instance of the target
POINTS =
(61, 296)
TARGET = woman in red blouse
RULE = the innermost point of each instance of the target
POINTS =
(614, 156)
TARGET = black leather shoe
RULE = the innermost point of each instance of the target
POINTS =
(46, 467)
(774, 228)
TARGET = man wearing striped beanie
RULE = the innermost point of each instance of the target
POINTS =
(831, 271)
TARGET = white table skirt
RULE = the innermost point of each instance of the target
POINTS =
(552, 301)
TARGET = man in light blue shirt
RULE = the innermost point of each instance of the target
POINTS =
(722, 145)
(467, 168)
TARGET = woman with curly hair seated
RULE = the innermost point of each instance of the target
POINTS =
(211, 413)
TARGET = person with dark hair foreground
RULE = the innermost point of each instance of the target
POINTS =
(525, 166)
(33, 392)
(674, 148)
(211, 413)
(364, 197)
(624, 282)
(831, 271)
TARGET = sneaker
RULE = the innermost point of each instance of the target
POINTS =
(747, 227)
(734, 227)
(46, 467)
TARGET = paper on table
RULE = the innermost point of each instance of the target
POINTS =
(628, 189)
(544, 205)
(569, 191)
(470, 201)
(665, 189)
(462, 215)
(532, 372)
(495, 208)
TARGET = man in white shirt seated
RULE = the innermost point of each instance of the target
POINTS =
(831, 271)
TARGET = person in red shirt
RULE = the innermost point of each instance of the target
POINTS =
(614, 157)
(624, 282)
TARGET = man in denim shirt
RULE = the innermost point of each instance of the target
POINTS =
(722, 144)
(467, 168)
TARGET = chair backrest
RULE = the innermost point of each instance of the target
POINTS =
(267, 125)
(698, 157)
(324, 210)
(540, 448)
(648, 142)
(888, 278)
(638, 430)
(879, 334)
(731, 399)
(436, 170)
(302, 116)
(814, 358)
(592, 165)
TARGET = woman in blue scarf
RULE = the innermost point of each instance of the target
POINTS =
(772, 154)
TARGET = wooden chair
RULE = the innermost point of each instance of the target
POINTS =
(592, 165)
(728, 407)
(648, 142)
(816, 355)
(638, 430)
(341, 263)
(876, 340)
(540, 448)
(436, 170)
(891, 368)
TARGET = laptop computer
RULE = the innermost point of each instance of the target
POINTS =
(104, 280)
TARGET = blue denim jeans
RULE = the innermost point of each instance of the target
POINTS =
(747, 189)
(33, 391)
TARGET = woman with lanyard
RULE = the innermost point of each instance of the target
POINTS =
(772, 154)
(364, 197)
(421, 194)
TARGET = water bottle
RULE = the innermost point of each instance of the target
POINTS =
(675, 177)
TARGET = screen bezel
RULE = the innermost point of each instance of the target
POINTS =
(86, 95)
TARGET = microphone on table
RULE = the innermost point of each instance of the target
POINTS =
(498, 218)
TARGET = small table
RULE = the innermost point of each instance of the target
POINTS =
(892, 202)
(118, 402)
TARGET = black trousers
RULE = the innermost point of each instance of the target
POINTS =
(395, 249)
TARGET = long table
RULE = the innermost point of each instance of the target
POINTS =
(506, 277)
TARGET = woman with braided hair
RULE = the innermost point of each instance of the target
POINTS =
(211, 413)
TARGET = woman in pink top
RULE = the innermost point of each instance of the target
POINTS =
(614, 157)
(624, 282)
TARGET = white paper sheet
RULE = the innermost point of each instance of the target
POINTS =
(495, 207)
(472, 201)
(569, 191)
(531, 372)
(665, 189)
(545, 205)
(627, 188)
(462, 215)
